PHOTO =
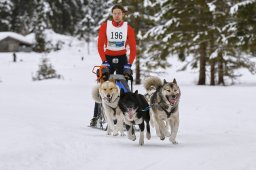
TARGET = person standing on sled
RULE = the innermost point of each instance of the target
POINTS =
(113, 38)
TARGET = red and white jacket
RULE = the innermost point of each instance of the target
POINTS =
(103, 42)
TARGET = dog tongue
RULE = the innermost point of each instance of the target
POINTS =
(171, 100)
(130, 114)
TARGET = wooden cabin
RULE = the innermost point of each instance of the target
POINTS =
(14, 42)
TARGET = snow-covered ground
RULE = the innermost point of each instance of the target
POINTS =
(43, 124)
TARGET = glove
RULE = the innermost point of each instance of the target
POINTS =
(106, 64)
(127, 66)
(127, 69)
(105, 73)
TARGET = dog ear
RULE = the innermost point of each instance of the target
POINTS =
(101, 81)
(165, 81)
(136, 92)
(112, 80)
(174, 81)
(121, 91)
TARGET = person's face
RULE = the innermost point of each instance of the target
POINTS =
(117, 15)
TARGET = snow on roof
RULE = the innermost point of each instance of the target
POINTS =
(16, 36)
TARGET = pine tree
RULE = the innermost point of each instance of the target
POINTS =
(40, 26)
(100, 12)
(86, 25)
(65, 15)
(225, 33)
(22, 14)
(246, 27)
(46, 70)
(182, 29)
(220, 39)
(6, 7)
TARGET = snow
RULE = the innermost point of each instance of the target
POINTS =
(211, 6)
(235, 7)
(16, 36)
(43, 124)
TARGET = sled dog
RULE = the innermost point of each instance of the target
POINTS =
(136, 111)
(164, 104)
(108, 93)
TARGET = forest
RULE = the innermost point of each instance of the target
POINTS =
(219, 35)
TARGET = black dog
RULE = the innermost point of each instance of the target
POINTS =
(136, 110)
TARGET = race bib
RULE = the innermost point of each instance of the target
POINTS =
(116, 36)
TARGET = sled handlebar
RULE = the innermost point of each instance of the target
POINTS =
(98, 71)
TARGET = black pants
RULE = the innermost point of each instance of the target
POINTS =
(117, 63)
(96, 110)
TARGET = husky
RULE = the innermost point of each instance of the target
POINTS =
(108, 93)
(164, 104)
(136, 111)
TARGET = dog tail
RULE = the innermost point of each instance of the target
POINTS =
(152, 83)
(96, 94)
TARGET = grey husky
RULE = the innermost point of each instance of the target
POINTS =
(164, 101)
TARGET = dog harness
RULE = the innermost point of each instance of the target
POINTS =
(164, 106)
(113, 108)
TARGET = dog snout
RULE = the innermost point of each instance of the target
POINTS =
(108, 95)
(173, 96)
(129, 109)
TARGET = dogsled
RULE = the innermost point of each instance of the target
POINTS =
(122, 81)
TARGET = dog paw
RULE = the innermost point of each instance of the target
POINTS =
(115, 133)
(162, 137)
(122, 134)
(132, 137)
(173, 141)
(141, 142)
(148, 136)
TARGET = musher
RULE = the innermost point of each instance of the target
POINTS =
(113, 38)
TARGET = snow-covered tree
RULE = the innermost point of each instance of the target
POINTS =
(86, 25)
(64, 15)
(182, 29)
(93, 14)
(22, 13)
(46, 70)
(6, 7)
(40, 25)
(205, 29)
(244, 13)
(225, 31)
